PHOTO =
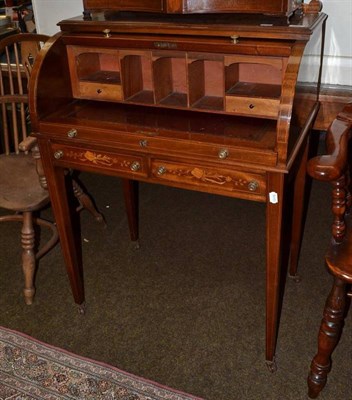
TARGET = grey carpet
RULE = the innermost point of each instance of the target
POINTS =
(187, 308)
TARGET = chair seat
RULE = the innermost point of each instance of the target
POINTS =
(339, 256)
(20, 189)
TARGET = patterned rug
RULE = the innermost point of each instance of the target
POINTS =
(30, 370)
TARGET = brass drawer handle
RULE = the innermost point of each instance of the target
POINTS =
(161, 170)
(223, 153)
(72, 133)
(107, 33)
(234, 39)
(135, 166)
(253, 186)
(143, 143)
(58, 154)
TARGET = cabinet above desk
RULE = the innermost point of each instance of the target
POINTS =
(147, 61)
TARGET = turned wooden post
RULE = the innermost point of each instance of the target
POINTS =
(28, 257)
(339, 208)
(329, 334)
(334, 167)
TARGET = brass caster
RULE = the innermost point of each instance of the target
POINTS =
(271, 365)
(82, 309)
(136, 245)
(296, 278)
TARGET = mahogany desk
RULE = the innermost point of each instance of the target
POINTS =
(209, 102)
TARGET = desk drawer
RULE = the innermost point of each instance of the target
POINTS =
(213, 179)
(253, 106)
(190, 142)
(99, 91)
(71, 156)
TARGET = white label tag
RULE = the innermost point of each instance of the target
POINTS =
(273, 198)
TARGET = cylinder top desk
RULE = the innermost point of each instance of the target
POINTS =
(199, 95)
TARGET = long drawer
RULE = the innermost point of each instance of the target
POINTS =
(85, 158)
(238, 183)
(227, 151)
(195, 175)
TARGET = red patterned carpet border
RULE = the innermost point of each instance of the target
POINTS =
(30, 369)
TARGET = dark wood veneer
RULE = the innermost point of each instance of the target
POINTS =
(285, 7)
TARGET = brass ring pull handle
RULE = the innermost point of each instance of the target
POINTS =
(223, 153)
(253, 186)
(161, 170)
(72, 133)
(107, 33)
(58, 154)
(135, 166)
(234, 39)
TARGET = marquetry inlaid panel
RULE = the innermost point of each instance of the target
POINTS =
(213, 178)
(95, 159)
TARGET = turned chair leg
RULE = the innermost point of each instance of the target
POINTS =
(86, 202)
(28, 256)
(329, 335)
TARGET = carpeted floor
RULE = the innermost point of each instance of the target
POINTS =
(187, 308)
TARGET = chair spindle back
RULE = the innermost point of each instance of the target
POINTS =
(17, 55)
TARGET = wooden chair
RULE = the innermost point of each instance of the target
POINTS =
(22, 182)
(336, 168)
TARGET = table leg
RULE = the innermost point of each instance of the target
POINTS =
(67, 221)
(130, 191)
(299, 206)
(274, 210)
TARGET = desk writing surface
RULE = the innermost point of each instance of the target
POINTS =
(183, 125)
(186, 144)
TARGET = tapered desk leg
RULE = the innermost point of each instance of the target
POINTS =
(130, 191)
(299, 205)
(274, 210)
(67, 220)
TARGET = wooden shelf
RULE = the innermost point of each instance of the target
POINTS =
(137, 79)
(170, 80)
(143, 97)
(209, 103)
(110, 77)
(206, 84)
(219, 83)
(253, 89)
(175, 100)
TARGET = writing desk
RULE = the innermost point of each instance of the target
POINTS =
(211, 103)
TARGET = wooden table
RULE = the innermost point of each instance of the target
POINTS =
(209, 102)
